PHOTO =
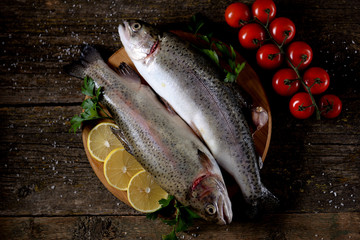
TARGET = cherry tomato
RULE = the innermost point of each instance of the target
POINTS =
(264, 10)
(237, 12)
(282, 27)
(301, 105)
(318, 78)
(252, 35)
(300, 54)
(269, 57)
(285, 82)
(330, 106)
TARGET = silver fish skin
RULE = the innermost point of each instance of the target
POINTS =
(192, 86)
(160, 140)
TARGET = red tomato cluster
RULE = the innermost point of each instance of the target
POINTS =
(273, 38)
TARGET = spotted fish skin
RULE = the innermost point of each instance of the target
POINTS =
(192, 86)
(161, 142)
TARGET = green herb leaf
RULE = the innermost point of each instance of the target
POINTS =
(166, 202)
(190, 213)
(170, 222)
(182, 225)
(170, 236)
(90, 110)
(232, 64)
(152, 216)
(98, 94)
(205, 38)
(239, 68)
(211, 54)
(76, 123)
(230, 77)
(181, 216)
(223, 49)
(233, 53)
(90, 105)
(88, 88)
(227, 53)
(196, 23)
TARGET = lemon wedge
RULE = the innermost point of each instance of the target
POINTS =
(119, 167)
(101, 141)
(144, 193)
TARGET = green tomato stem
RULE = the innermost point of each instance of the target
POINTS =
(307, 88)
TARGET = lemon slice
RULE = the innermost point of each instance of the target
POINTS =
(119, 167)
(101, 141)
(144, 194)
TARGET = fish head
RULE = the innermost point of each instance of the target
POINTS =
(139, 39)
(210, 199)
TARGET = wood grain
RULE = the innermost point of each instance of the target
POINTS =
(335, 226)
(48, 189)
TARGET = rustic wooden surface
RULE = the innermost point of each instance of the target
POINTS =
(48, 189)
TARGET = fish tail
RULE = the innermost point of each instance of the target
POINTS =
(88, 55)
(267, 202)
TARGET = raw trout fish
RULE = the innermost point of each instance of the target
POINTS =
(192, 86)
(159, 139)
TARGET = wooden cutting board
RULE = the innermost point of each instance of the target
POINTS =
(247, 79)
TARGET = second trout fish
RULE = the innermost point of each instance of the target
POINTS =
(161, 141)
(192, 86)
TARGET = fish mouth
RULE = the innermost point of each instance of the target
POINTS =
(142, 48)
(123, 33)
(154, 47)
(121, 29)
(224, 210)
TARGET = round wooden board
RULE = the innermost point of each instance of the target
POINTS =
(247, 79)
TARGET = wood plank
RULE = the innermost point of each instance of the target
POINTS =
(55, 32)
(282, 226)
(44, 170)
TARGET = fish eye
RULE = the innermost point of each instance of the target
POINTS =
(210, 209)
(136, 27)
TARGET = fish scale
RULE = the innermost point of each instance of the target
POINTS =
(191, 84)
(159, 140)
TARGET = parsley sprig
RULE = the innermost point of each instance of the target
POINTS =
(91, 106)
(217, 50)
(181, 217)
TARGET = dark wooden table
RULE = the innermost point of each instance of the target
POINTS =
(48, 189)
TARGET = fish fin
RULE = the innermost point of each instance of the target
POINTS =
(77, 69)
(261, 164)
(125, 70)
(196, 131)
(204, 160)
(119, 134)
(89, 54)
(168, 106)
